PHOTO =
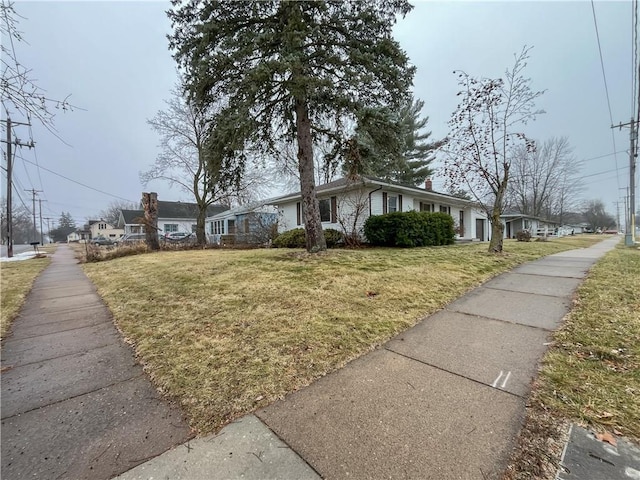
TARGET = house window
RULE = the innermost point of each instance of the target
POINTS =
(325, 210)
(102, 226)
(392, 203)
(193, 228)
(425, 207)
(232, 226)
(170, 227)
(445, 209)
(218, 227)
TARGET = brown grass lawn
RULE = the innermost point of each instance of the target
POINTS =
(225, 332)
(16, 279)
(591, 375)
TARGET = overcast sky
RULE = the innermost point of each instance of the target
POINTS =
(113, 58)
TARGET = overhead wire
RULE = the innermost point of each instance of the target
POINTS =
(80, 183)
(606, 88)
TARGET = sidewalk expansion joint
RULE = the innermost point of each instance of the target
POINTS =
(135, 377)
(10, 338)
(528, 293)
(482, 317)
(550, 276)
(455, 373)
(62, 356)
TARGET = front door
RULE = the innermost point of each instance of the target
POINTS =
(480, 229)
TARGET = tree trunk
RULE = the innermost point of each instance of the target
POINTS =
(201, 236)
(312, 223)
(497, 232)
(150, 205)
(497, 228)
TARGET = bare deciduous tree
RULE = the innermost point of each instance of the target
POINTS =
(18, 91)
(485, 128)
(188, 161)
(543, 181)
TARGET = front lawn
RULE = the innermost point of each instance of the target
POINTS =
(225, 332)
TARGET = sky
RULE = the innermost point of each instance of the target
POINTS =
(113, 59)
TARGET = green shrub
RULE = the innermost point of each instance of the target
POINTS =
(290, 239)
(296, 238)
(333, 237)
(523, 235)
(410, 229)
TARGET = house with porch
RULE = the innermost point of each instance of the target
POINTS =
(538, 227)
(346, 203)
(248, 225)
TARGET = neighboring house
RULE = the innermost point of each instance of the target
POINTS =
(515, 222)
(250, 224)
(79, 236)
(100, 228)
(345, 204)
(172, 217)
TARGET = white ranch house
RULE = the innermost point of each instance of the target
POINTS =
(345, 204)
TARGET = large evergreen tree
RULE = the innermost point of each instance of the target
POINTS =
(288, 69)
(394, 145)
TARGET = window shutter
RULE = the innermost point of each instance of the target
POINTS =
(399, 203)
(334, 210)
(298, 219)
(384, 202)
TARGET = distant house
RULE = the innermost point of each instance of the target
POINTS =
(100, 228)
(515, 222)
(172, 217)
(80, 235)
(345, 204)
(250, 224)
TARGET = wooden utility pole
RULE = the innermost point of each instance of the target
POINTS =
(629, 237)
(150, 206)
(10, 143)
(34, 192)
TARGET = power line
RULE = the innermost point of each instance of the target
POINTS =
(79, 183)
(606, 88)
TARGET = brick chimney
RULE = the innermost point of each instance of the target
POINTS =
(428, 185)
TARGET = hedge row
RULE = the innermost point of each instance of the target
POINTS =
(296, 238)
(410, 229)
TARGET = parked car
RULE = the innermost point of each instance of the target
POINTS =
(129, 238)
(97, 241)
(178, 236)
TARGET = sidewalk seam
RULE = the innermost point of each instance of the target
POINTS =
(501, 320)
(75, 396)
(454, 373)
(65, 355)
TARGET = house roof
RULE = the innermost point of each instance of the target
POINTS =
(183, 210)
(260, 207)
(365, 180)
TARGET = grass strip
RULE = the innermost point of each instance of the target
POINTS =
(16, 280)
(226, 332)
(591, 374)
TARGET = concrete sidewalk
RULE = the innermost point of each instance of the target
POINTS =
(443, 400)
(75, 403)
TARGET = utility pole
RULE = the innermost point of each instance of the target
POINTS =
(41, 229)
(48, 219)
(617, 204)
(9, 143)
(34, 192)
(629, 237)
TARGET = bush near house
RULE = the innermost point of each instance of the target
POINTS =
(410, 229)
(523, 235)
(295, 238)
